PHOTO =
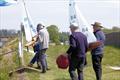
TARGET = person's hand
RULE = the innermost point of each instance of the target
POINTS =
(94, 45)
(88, 49)
(66, 54)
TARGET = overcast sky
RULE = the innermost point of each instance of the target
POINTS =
(56, 12)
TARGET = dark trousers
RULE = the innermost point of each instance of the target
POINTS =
(76, 63)
(39, 61)
(96, 61)
(42, 59)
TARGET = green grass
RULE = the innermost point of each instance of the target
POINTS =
(8, 62)
(53, 74)
(6, 66)
(111, 57)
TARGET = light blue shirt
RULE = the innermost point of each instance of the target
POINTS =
(100, 37)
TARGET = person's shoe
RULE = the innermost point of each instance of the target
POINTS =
(43, 71)
(48, 69)
(30, 65)
(38, 67)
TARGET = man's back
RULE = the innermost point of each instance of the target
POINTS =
(44, 38)
(79, 41)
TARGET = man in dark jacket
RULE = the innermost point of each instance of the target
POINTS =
(76, 52)
(97, 53)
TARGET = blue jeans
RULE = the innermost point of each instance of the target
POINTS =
(36, 49)
(34, 59)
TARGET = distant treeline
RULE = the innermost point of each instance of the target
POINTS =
(55, 35)
(8, 33)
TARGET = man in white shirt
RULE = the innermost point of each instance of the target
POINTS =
(43, 39)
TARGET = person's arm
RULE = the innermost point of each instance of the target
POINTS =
(72, 45)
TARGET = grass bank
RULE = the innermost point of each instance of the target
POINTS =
(111, 57)
(10, 62)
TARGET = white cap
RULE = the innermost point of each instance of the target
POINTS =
(74, 25)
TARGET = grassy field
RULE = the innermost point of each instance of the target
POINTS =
(111, 57)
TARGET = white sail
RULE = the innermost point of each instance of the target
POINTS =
(76, 16)
(30, 30)
(72, 12)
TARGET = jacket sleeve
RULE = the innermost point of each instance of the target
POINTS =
(86, 44)
(72, 43)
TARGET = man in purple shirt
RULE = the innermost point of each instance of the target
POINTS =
(97, 53)
(77, 52)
